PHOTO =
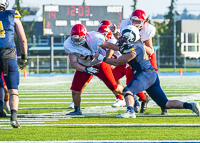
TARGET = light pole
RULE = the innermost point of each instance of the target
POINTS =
(174, 39)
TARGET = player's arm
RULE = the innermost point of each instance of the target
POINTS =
(74, 64)
(23, 43)
(110, 46)
(22, 36)
(109, 53)
(148, 44)
(116, 62)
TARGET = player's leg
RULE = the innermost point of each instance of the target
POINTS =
(71, 105)
(130, 101)
(6, 105)
(2, 113)
(106, 75)
(153, 62)
(142, 96)
(78, 84)
(12, 81)
(118, 73)
(157, 94)
(142, 82)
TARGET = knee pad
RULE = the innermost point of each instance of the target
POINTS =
(128, 94)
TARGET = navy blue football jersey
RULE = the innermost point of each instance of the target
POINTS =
(140, 62)
(7, 28)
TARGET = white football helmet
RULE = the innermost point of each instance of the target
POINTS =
(4, 3)
(130, 34)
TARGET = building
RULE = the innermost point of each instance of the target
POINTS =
(189, 37)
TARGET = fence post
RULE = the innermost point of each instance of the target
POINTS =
(37, 64)
(184, 64)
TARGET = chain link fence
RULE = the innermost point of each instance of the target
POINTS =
(42, 64)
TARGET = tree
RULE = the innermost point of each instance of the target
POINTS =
(83, 3)
(168, 46)
(134, 4)
(28, 28)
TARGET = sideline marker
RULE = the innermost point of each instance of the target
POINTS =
(25, 73)
(180, 72)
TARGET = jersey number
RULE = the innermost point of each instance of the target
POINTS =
(2, 31)
(145, 55)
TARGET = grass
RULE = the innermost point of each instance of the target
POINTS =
(98, 121)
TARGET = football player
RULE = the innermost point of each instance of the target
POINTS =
(9, 24)
(145, 76)
(120, 71)
(147, 32)
(81, 47)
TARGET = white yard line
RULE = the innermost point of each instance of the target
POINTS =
(122, 124)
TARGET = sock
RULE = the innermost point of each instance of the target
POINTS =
(131, 109)
(187, 105)
(1, 103)
(136, 101)
(13, 116)
(141, 95)
(6, 100)
(119, 97)
(77, 108)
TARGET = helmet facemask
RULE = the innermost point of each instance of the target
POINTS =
(128, 37)
(4, 3)
(138, 25)
(78, 41)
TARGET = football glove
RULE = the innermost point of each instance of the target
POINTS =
(23, 61)
(91, 70)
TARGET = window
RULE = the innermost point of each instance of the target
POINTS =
(191, 37)
(197, 48)
(184, 38)
(185, 50)
(191, 48)
(197, 37)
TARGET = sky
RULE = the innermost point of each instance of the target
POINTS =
(151, 7)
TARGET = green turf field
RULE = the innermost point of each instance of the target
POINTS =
(44, 102)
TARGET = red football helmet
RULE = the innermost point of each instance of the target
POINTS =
(78, 34)
(105, 22)
(105, 30)
(138, 15)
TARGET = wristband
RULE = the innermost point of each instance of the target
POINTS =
(104, 59)
(24, 56)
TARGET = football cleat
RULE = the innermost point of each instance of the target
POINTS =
(128, 114)
(196, 108)
(15, 124)
(71, 105)
(6, 106)
(13, 121)
(144, 104)
(119, 103)
(77, 111)
(164, 111)
(2, 113)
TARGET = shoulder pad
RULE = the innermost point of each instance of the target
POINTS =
(17, 14)
(127, 49)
